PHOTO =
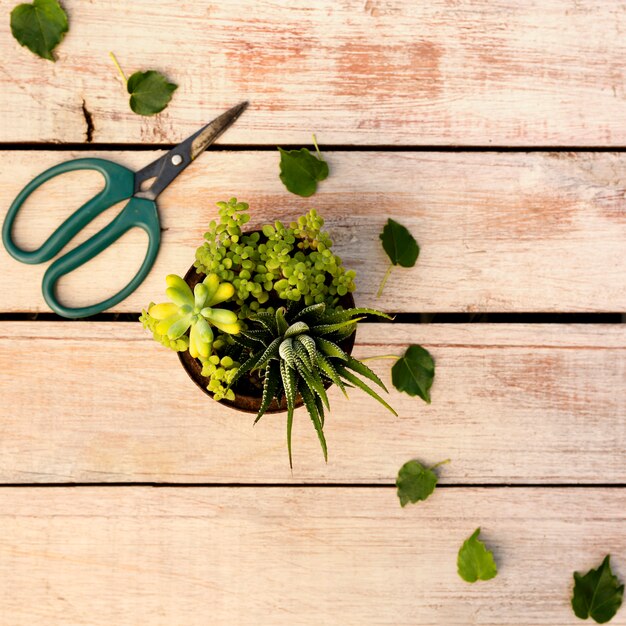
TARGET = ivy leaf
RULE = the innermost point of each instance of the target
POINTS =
(475, 562)
(300, 171)
(597, 594)
(39, 26)
(400, 246)
(414, 372)
(416, 482)
(150, 92)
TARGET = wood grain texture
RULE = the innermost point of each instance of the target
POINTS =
(355, 71)
(102, 402)
(298, 556)
(498, 232)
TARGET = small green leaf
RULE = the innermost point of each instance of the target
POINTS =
(414, 372)
(399, 244)
(475, 562)
(150, 92)
(39, 26)
(597, 594)
(300, 171)
(416, 482)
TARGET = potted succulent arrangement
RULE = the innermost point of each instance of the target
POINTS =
(264, 321)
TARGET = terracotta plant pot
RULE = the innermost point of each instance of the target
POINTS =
(247, 402)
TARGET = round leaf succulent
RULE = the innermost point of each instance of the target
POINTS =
(196, 311)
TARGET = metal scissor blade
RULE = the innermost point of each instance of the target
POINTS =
(166, 168)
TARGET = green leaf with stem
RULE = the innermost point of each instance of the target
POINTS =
(416, 482)
(150, 92)
(400, 246)
(414, 372)
(40, 26)
(300, 171)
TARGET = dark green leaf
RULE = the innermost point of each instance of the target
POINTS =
(300, 171)
(270, 386)
(327, 367)
(475, 562)
(150, 92)
(290, 386)
(348, 314)
(415, 482)
(311, 406)
(414, 372)
(330, 349)
(326, 329)
(597, 594)
(399, 244)
(314, 310)
(357, 382)
(314, 382)
(39, 26)
(361, 368)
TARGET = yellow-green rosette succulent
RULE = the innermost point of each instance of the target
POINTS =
(196, 311)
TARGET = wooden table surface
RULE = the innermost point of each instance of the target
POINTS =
(495, 130)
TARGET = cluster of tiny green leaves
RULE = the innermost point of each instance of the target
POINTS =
(220, 371)
(291, 263)
(297, 353)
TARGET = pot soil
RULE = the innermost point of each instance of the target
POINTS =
(247, 398)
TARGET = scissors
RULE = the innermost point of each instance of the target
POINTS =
(120, 184)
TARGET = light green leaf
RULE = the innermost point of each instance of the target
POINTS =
(597, 594)
(150, 92)
(475, 562)
(416, 482)
(300, 171)
(414, 372)
(39, 26)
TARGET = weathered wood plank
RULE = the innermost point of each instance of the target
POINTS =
(375, 72)
(499, 232)
(91, 402)
(298, 556)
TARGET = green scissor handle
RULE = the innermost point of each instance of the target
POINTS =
(139, 212)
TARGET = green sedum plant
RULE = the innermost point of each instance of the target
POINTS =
(297, 351)
(281, 262)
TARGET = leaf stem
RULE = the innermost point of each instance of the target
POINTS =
(382, 356)
(119, 68)
(436, 465)
(385, 277)
(319, 154)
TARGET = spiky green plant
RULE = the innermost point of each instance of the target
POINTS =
(169, 321)
(298, 353)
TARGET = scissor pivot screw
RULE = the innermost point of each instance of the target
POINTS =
(177, 159)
